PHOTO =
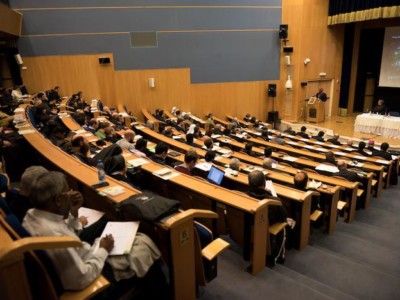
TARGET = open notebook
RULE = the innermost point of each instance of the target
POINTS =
(124, 234)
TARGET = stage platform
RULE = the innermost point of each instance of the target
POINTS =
(344, 126)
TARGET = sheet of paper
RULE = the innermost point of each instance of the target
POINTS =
(308, 147)
(360, 157)
(270, 186)
(224, 151)
(138, 162)
(166, 173)
(124, 234)
(290, 158)
(26, 131)
(319, 143)
(322, 150)
(91, 215)
(339, 153)
(205, 166)
(114, 190)
(382, 161)
(327, 168)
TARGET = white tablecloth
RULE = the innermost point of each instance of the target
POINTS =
(378, 124)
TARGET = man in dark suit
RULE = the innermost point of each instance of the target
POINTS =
(383, 152)
(334, 140)
(380, 108)
(386, 155)
(321, 95)
(343, 172)
(290, 131)
(319, 137)
(361, 147)
(303, 133)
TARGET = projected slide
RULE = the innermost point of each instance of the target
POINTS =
(390, 66)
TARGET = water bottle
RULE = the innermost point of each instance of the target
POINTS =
(100, 171)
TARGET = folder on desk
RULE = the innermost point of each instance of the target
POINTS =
(124, 234)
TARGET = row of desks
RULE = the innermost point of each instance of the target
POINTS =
(181, 255)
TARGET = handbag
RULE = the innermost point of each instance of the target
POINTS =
(148, 206)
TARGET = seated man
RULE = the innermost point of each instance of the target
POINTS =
(160, 154)
(190, 162)
(303, 133)
(278, 139)
(18, 200)
(209, 144)
(361, 147)
(330, 158)
(380, 108)
(334, 140)
(343, 172)
(383, 152)
(55, 213)
(386, 155)
(290, 131)
(301, 183)
(268, 163)
(320, 136)
(127, 141)
(275, 214)
(210, 156)
(234, 164)
(258, 190)
(140, 147)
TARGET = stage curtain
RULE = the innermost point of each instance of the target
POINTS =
(347, 11)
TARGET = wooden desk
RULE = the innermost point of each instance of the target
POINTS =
(283, 191)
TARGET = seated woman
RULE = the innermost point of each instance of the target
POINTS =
(115, 166)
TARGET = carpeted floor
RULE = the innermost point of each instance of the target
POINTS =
(359, 261)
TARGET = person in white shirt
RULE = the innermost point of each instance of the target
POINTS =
(55, 213)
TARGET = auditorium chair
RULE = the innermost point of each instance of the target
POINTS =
(23, 274)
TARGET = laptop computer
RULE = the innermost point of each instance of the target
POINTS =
(215, 175)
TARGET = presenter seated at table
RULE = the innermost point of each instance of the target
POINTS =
(380, 108)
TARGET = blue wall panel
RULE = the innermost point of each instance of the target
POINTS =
(120, 20)
(248, 51)
(109, 3)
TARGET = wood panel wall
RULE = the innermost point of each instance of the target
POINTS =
(308, 34)
(10, 21)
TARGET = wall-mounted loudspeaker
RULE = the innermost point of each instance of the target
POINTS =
(271, 90)
(104, 60)
(288, 49)
(18, 58)
(283, 31)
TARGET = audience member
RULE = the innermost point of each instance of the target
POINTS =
(161, 153)
(290, 131)
(210, 156)
(140, 147)
(189, 139)
(383, 152)
(18, 199)
(330, 158)
(127, 141)
(100, 133)
(334, 140)
(81, 149)
(301, 180)
(345, 173)
(303, 133)
(371, 145)
(278, 139)
(55, 213)
(190, 162)
(361, 147)
(92, 126)
(234, 164)
(320, 136)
